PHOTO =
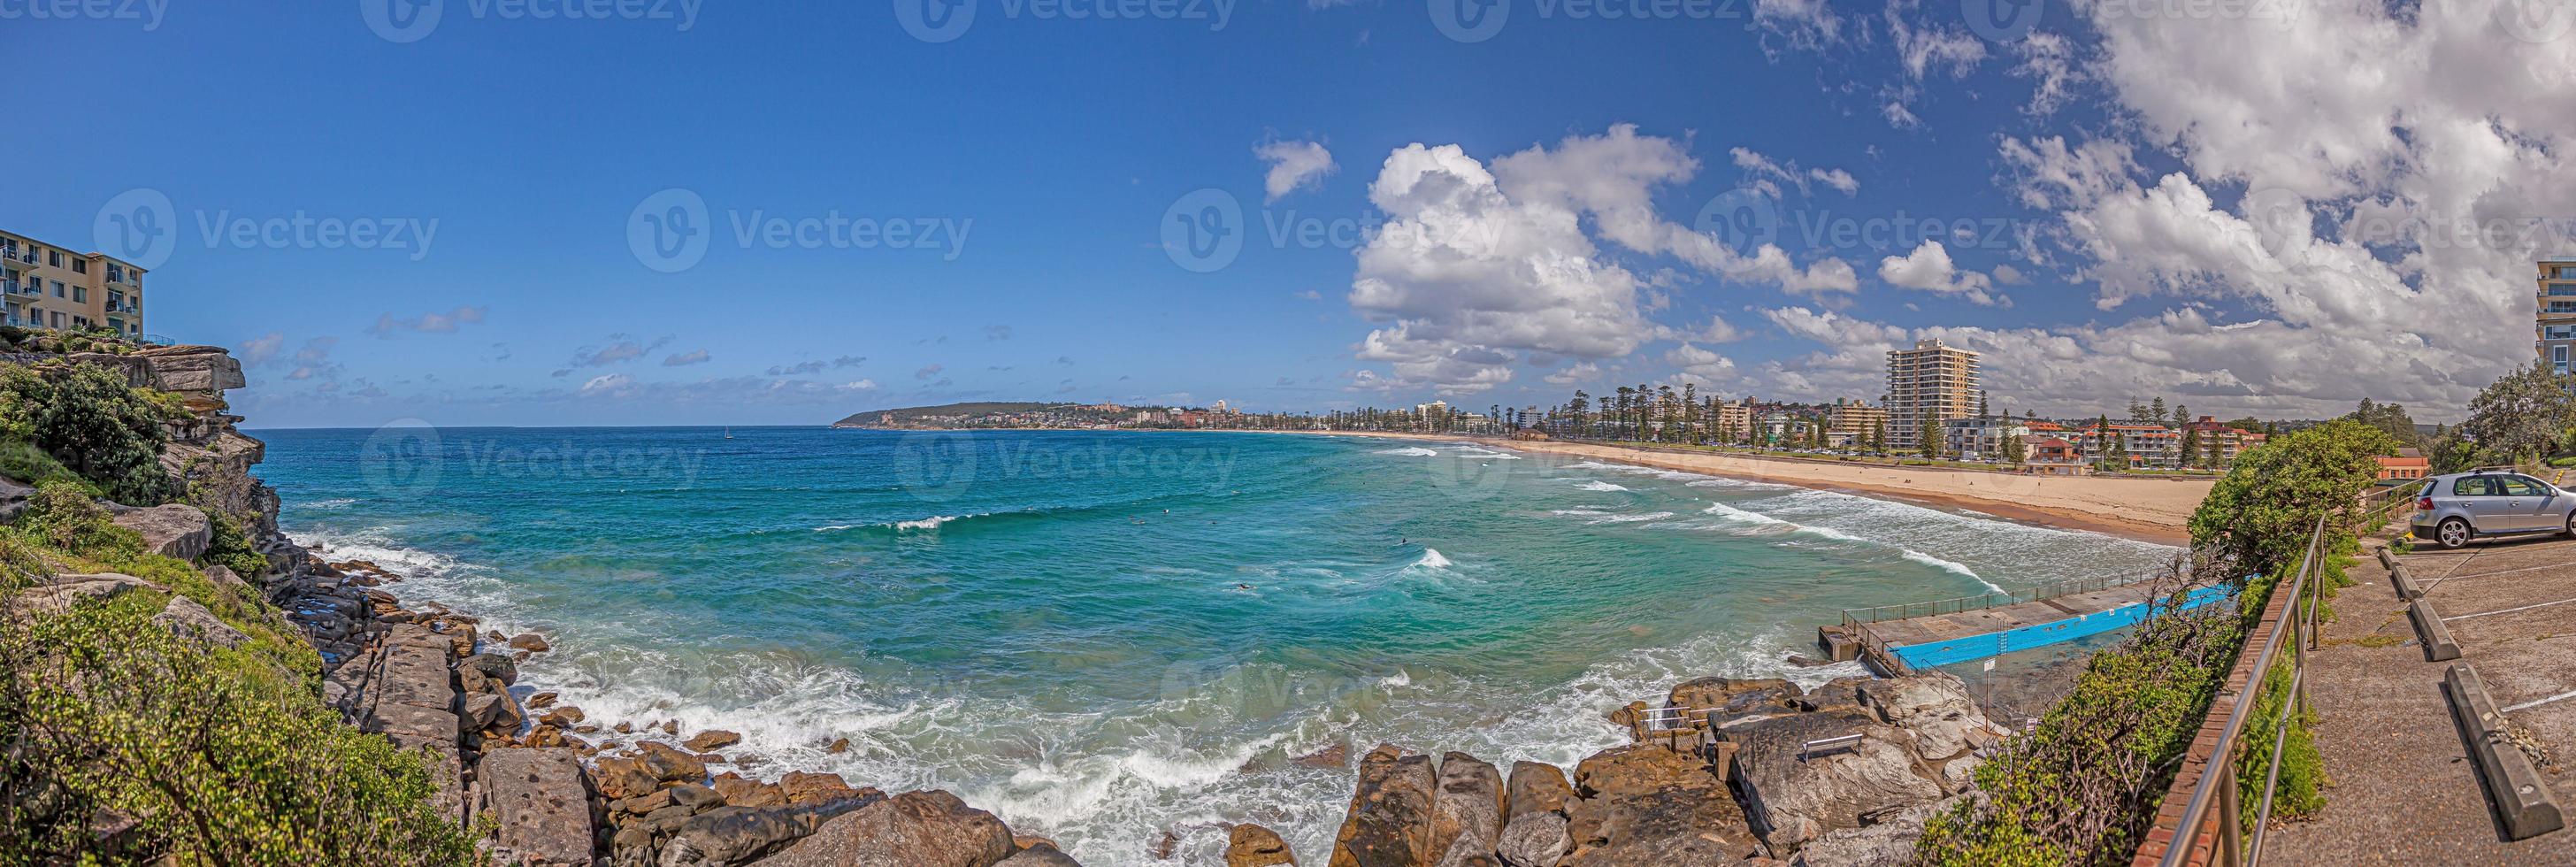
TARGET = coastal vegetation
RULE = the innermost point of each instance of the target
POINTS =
(2522, 418)
(156, 710)
(2084, 786)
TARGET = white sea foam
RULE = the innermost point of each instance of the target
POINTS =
(1953, 566)
(930, 523)
(1431, 559)
(1411, 452)
(1596, 485)
(1632, 518)
(327, 504)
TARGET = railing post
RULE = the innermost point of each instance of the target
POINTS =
(2231, 834)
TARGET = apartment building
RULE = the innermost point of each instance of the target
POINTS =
(2148, 445)
(1734, 419)
(1854, 417)
(1931, 379)
(2554, 326)
(2215, 438)
(48, 286)
(1980, 438)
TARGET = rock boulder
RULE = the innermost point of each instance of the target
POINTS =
(1467, 811)
(1643, 804)
(1799, 796)
(1249, 845)
(540, 804)
(1389, 824)
(173, 530)
(913, 829)
(1537, 786)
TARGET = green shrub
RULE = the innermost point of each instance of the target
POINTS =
(22, 460)
(109, 715)
(2299, 792)
(61, 515)
(2262, 511)
(231, 546)
(2083, 787)
(90, 420)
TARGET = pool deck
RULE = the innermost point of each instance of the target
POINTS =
(1899, 645)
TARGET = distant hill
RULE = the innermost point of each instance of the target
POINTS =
(916, 415)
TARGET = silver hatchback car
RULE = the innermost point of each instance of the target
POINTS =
(2456, 508)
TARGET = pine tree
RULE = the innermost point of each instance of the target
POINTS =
(2156, 411)
(1927, 436)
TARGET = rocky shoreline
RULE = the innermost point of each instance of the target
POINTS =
(1723, 771)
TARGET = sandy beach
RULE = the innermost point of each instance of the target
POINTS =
(2148, 509)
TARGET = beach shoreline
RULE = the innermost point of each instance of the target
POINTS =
(2142, 509)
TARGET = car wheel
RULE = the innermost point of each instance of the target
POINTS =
(2452, 533)
(2571, 525)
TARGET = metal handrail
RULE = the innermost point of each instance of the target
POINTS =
(2218, 779)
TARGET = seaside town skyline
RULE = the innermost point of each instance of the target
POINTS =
(1491, 231)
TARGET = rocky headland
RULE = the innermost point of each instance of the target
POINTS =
(1723, 771)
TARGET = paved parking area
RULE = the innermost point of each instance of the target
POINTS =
(2402, 788)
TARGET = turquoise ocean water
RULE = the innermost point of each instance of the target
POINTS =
(1107, 637)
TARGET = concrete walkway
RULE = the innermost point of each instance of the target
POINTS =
(2403, 789)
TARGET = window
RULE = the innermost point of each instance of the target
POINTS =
(2517, 486)
(54, 258)
(2473, 486)
(80, 266)
(58, 288)
(2558, 357)
(80, 294)
(2564, 272)
(58, 319)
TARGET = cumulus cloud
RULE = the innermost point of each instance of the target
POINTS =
(388, 325)
(1929, 268)
(1479, 267)
(1294, 165)
(313, 360)
(262, 349)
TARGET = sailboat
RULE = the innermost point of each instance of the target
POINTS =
(728, 431)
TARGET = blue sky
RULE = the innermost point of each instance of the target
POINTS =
(2156, 203)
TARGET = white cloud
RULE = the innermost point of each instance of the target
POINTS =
(1700, 366)
(607, 385)
(1837, 179)
(1575, 374)
(1929, 268)
(1293, 165)
(260, 350)
(387, 325)
(683, 359)
(1479, 267)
